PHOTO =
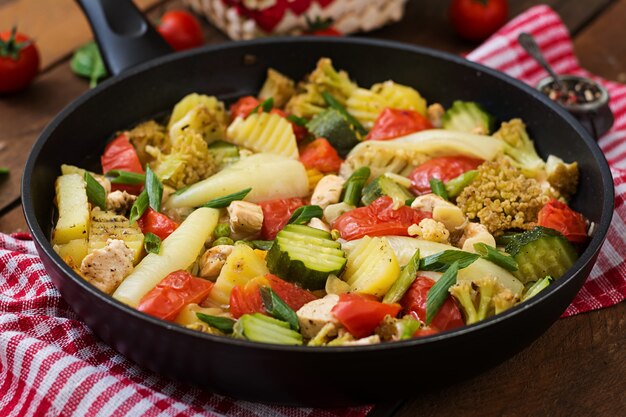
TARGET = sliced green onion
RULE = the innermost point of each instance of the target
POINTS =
(456, 185)
(152, 243)
(332, 102)
(225, 201)
(223, 241)
(139, 207)
(154, 188)
(438, 293)
(95, 192)
(537, 287)
(499, 258)
(404, 281)
(267, 106)
(277, 308)
(223, 324)
(441, 261)
(221, 230)
(438, 188)
(262, 244)
(117, 176)
(354, 186)
(407, 326)
(298, 121)
(304, 214)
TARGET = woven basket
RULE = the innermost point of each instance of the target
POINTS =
(247, 19)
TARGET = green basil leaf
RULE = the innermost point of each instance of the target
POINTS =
(152, 243)
(117, 176)
(278, 309)
(154, 188)
(262, 244)
(304, 214)
(139, 207)
(87, 62)
(225, 201)
(95, 192)
(332, 102)
(438, 293)
(223, 324)
(441, 261)
(438, 188)
(492, 254)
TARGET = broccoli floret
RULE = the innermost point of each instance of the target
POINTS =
(277, 86)
(309, 101)
(188, 162)
(482, 298)
(502, 198)
(562, 176)
(149, 133)
(520, 148)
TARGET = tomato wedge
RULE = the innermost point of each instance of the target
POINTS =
(173, 293)
(444, 168)
(378, 219)
(158, 223)
(120, 154)
(320, 155)
(393, 123)
(558, 216)
(276, 214)
(360, 314)
(414, 303)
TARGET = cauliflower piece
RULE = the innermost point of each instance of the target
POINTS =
(120, 202)
(277, 86)
(502, 198)
(213, 260)
(435, 112)
(443, 211)
(475, 233)
(188, 162)
(327, 191)
(562, 176)
(245, 219)
(146, 134)
(482, 298)
(318, 224)
(431, 230)
(203, 115)
(106, 268)
(520, 148)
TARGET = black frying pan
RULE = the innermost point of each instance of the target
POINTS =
(285, 374)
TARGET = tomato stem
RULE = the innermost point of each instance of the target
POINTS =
(10, 47)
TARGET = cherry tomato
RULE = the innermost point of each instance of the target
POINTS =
(120, 154)
(19, 61)
(158, 223)
(173, 293)
(360, 314)
(320, 155)
(414, 303)
(476, 20)
(378, 219)
(319, 27)
(443, 168)
(276, 214)
(181, 30)
(558, 216)
(393, 123)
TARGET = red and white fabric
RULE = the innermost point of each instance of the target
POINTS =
(51, 364)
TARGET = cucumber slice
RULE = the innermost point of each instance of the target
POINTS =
(467, 116)
(224, 153)
(306, 256)
(540, 252)
(261, 328)
(384, 185)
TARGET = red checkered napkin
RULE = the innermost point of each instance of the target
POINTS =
(606, 285)
(52, 365)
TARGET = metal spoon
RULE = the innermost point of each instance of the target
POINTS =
(528, 43)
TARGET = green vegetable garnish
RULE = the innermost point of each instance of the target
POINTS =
(298, 121)
(95, 192)
(225, 201)
(438, 293)
(354, 186)
(277, 308)
(333, 103)
(441, 261)
(537, 287)
(489, 253)
(266, 106)
(456, 185)
(154, 188)
(262, 244)
(117, 176)
(404, 281)
(438, 188)
(87, 62)
(223, 324)
(152, 243)
(139, 207)
(304, 214)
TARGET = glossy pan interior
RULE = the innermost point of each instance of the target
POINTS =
(302, 375)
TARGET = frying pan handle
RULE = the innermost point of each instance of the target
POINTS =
(124, 35)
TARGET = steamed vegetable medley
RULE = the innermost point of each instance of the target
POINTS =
(321, 213)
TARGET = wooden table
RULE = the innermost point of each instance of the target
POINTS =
(577, 368)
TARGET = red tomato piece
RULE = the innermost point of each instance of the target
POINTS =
(173, 293)
(558, 216)
(158, 223)
(378, 219)
(181, 30)
(360, 314)
(243, 107)
(246, 299)
(393, 123)
(294, 296)
(19, 61)
(444, 168)
(276, 214)
(320, 155)
(414, 303)
(301, 132)
(120, 154)
(476, 20)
